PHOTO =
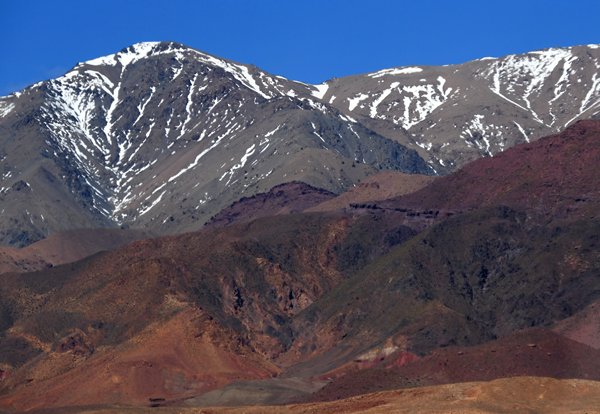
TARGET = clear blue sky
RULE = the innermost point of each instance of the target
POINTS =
(307, 40)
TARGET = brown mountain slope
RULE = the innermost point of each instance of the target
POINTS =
(183, 355)
(377, 187)
(65, 247)
(481, 274)
(554, 175)
(287, 198)
(70, 326)
(534, 352)
(512, 395)
(307, 292)
(465, 281)
(583, 327)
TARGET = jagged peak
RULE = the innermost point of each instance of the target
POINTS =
(133, 53)
(142, 50)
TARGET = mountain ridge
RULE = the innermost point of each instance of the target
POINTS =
(162, 137)
(162, 124)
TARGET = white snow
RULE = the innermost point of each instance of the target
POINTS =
(562, 85)
(497, 88)
(142, 106)
(591, 99)
(188, 106)
(421, 100)
(353, 102)
(316, 133)
(348, 118)
(396, 71)
(537, 67)
(384, 94)
(135, 52)
(151, 206)
(6, 108)
(476, 126)
(321, 90)
(130, 55)
(239, 72)
(270, 133)
(593, 92)
(353, 131)
(520, 128)
(249, 151)
(103, 60)
(198, 158)
(426, 146)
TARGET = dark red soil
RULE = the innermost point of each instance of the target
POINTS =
(582, 327)
(293, 197)
(555, 175)
(534, 352)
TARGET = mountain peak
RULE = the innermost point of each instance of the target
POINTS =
(135, 52)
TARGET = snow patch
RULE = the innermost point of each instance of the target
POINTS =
(271, 133)
(321, 90)
(353, 102)
(521, 130)
(395, 71)
(249, 151)
(6, 108)
(381, 97)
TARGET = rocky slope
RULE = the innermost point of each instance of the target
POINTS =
(457, 113)
(305, 296)
(65, 247)
(228, 293)
(532, 352)
(288, 198)
(162, 136)
(381, 186)
(519, 242)
(551, 177)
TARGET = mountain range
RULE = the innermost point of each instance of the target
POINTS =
(181, 232)
(162, 137)
(404, 292)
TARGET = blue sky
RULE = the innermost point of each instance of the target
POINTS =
(307, 40)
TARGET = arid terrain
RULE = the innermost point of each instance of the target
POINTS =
(319, 301)
(520, 395)
(187, 234)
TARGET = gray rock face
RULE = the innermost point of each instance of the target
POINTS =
(162, 136)
(458, 113)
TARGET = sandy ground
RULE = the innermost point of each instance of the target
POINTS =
(510, 395)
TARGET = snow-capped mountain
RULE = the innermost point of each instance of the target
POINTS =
(457, 113)
(162, 136)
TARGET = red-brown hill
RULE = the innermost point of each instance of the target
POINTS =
(533, 352)
(287, 198)
(177, 316)
(556, 175)
(65, 247)
(295, 294)
(377, 187)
